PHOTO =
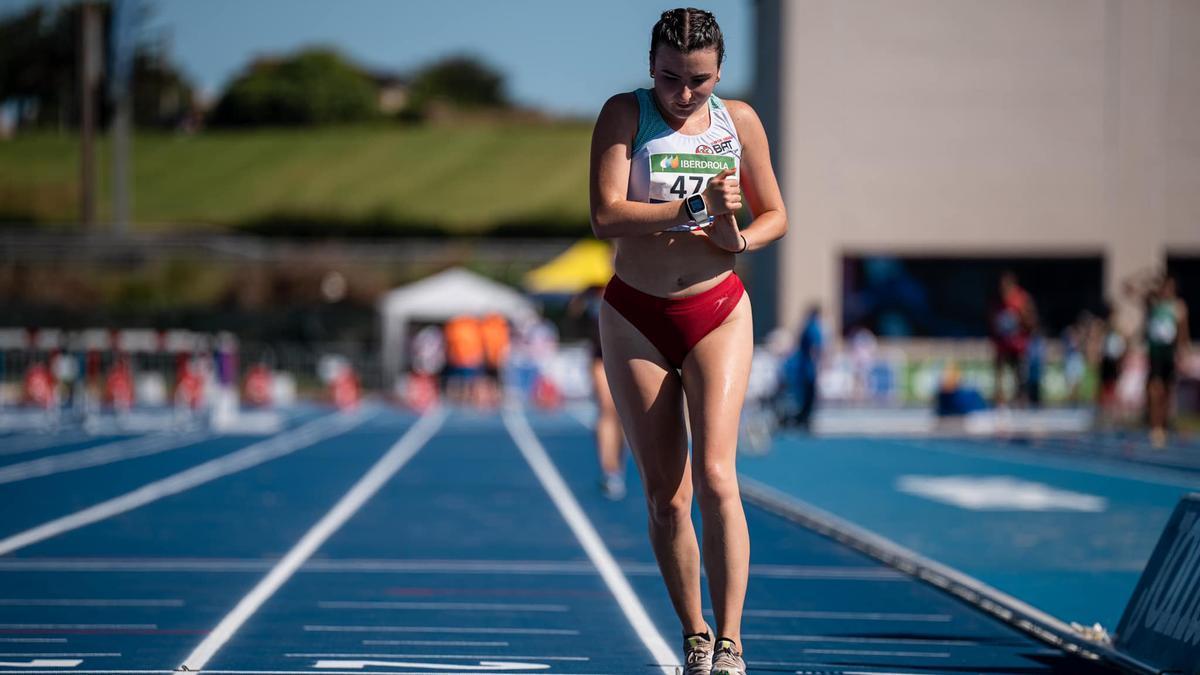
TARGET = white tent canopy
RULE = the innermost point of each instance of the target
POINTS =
(439, 297)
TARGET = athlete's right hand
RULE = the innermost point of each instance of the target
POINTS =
(723, 195)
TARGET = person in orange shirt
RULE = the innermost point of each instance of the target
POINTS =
(496, 339)
(464, 358)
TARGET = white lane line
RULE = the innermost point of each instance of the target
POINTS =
(868, 652)
(848, 573)
(87, 602)
(452, 630)
(482, 666)
(79, 626)
(1093, 464)
(366, 487)
(507, 656)
(858, 640)
(442, 606)
(41, 663)
(818, 668)
(9, 655)
(589, 539)
(843, 616)
(875, 672)
(436, 643)
(97, 456)
(170, 565)
(33, 444)
(34, 640)
(239, 460)
(456, 567)
(106, 671)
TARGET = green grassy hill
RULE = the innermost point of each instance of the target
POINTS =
(483, 177)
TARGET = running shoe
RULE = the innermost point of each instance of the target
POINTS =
(727, 660)
(697, 654)
(613, 486)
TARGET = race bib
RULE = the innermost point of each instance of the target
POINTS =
(675, 176)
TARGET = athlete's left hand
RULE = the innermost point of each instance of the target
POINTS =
(724, 233)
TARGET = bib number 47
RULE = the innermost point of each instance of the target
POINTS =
(679, 187)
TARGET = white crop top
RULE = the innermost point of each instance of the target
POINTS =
(669, 166)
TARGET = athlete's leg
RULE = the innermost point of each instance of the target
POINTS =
(715, 376)
(608, 427)
(649, 400)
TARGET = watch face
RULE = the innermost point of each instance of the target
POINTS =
(695, 204)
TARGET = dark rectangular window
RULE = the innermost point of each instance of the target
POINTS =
(897, 296)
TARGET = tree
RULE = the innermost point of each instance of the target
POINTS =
(162, 97)
(458, 81)
(39, 70)
(39, 64)
(315, 86)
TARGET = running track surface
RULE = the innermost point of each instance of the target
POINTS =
(1067, 526)
(382, 542)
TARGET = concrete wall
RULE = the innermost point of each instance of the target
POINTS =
(980, 127)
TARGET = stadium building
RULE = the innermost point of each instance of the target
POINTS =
(923, 146)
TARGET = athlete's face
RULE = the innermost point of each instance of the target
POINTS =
(683, 82)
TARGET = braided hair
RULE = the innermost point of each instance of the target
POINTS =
(687, 30)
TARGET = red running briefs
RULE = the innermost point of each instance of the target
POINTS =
(675, 325)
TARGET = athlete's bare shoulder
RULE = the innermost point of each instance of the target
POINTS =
(742, 113)
(619, 111)
(617, 123)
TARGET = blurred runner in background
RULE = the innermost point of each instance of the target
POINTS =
(610, 439)
(1014, 318)
(1166, 335)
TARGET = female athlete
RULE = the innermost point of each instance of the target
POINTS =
(669, 166)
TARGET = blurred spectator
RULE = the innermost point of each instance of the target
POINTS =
(1113, 348)
(428, 351)
(1035, 362)
(496, 341)
(1013, 321)
(954, 399)
(464, 359)
(863, 348)
(1074, 342)
(39, 386)
(258, 386)
(118, 386)
(800, 370)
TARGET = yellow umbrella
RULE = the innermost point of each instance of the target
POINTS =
(587, 263)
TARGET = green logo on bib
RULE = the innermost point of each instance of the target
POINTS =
(689, 163)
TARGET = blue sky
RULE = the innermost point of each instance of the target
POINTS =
(562, 56)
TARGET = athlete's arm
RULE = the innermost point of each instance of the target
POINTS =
(758, 179)
(612, 213)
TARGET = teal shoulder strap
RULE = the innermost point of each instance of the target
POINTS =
(650, 123)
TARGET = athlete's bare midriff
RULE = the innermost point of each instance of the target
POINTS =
(671, 264)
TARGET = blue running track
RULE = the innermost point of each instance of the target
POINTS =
(384, 542)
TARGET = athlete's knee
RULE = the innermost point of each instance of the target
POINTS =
(717, 484)
(668, 509)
